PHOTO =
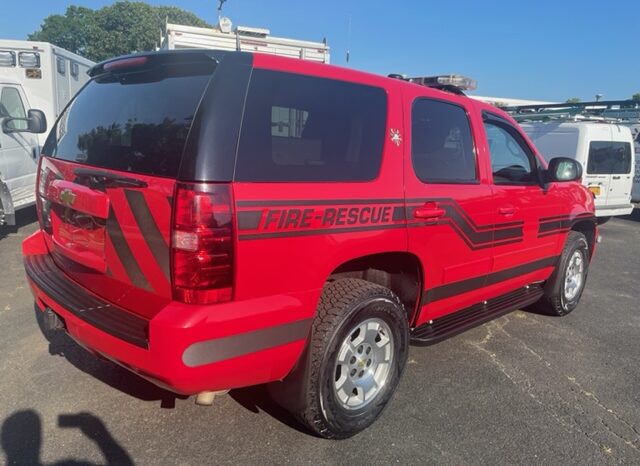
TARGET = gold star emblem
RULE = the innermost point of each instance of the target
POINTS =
(395, 137)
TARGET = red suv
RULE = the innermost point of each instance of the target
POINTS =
(215, 220)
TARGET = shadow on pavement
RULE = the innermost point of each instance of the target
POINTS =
(633, 217)
(61, 344)
(22, 438)
(256, 399)
(23, 218)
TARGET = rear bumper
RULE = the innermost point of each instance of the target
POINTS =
(186, 349)
(613, 210)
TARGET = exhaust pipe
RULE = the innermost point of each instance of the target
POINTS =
(206, 398)
(52, 321)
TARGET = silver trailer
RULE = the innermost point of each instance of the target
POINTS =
(242, 38)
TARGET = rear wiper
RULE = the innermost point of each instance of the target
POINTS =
(104, 179)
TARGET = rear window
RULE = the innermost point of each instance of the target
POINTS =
(136, 122)
(302, 128)
(609, 158)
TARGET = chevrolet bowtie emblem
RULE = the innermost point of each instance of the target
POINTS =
(67, 197)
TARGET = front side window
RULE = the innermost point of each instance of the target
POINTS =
(510, 160)
(303, 128)
(609, 158)
(442, 148)
(11, 106)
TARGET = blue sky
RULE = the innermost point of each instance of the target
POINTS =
(541, 49)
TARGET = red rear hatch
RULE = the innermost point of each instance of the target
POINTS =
(106, 185)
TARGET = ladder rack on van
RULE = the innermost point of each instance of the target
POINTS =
(610, 111)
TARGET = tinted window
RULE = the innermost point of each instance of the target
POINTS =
(510, 161)
(609, 158)
(11, 106)
(441, 145)
(552, 140)
(135, 122)
(301, 128)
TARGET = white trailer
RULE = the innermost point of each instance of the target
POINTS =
(49, 75)
(242, 38)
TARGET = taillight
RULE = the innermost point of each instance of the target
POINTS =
(202, 243)
(43, 205)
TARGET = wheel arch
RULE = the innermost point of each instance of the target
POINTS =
(588, 229)
(400, 271)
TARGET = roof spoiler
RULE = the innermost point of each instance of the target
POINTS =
(140, 61)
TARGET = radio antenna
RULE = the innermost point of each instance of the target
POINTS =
(349, 39)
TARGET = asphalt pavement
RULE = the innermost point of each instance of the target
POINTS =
(523, 389)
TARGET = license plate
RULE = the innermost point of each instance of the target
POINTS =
(595, 190)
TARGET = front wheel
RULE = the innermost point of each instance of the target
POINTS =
(358, 349)
(564, 289)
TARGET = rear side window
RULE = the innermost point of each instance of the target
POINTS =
(136, 122)
(303, 128)
(441, 145)
(609, 158)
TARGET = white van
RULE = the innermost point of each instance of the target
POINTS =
(606, 151)
(635, 192)
(19, 149)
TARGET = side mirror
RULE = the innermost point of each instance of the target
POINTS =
(36, 123)
(563, 169)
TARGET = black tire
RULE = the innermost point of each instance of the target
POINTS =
(555, 302)
(602, 220)
(345, 304)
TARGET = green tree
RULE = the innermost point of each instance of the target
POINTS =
(636, 96)
(573, 100)
(121, 28)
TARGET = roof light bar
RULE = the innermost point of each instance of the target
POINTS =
(461, 82)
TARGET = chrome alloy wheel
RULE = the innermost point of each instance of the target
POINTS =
(363, 364)
(574, 277)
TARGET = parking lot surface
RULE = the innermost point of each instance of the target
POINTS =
(524, 389)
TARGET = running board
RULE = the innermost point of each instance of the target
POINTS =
(445, 327)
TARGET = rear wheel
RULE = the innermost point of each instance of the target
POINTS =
(564, 289)
(357, 352)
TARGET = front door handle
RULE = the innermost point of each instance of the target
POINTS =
(507, 210)
(429, 211)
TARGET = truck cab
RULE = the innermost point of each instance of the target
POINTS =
(19, 150)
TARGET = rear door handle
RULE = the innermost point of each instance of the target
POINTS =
(429, 211)
(510, 210)
(616, 177)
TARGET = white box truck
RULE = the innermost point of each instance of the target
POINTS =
(242, 38)
(37, 80)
